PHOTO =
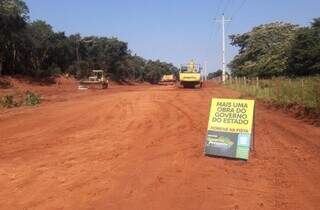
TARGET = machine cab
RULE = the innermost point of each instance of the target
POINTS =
(191, 67)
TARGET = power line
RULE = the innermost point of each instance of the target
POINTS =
(226, 7)
(218, 9)
(238, 9)
(212, 48)
(235, 12)
(232, 5)
(214, 34)
(216, 31)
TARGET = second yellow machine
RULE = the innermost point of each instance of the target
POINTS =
(190, 75)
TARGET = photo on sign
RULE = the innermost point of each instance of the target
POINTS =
(233, 145)
(221, 144)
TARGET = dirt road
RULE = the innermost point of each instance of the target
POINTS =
(142, 148)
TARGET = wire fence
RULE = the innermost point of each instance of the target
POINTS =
(303, 91)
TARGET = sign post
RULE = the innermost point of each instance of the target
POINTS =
(230, 128)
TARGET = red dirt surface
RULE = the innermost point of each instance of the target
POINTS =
(142, 148)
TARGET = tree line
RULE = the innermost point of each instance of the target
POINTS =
(277, 49)
(35, 49)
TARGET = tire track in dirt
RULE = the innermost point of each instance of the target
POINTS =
(298, 162)
(143, 149)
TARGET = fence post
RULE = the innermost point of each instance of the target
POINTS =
(267, 89)
(266, 86)
(237, 83)
(289, 92)
(302, 92)
(317, 93)
(277, 90)
(257, 86)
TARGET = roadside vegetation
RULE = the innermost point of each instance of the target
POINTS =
(33, 49)
(303, 91)
(279, 63)
(277, 50)
(18, 99)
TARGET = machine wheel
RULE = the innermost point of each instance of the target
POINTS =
(188, 85)
(104, 85)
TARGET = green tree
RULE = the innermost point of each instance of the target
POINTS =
(14, 8)
(263, 51)
(215, 74)
(33, 48)
(304, 56)
(106, 53)
(154, 70)
(135, 67)
(40, 34)
(13, 17)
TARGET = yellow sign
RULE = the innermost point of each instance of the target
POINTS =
(230, 128)
(231, 115)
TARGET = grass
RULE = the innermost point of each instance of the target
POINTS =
(7, 101)
(285, 91)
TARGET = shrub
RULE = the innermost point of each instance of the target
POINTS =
(32, 99)
(7, 101)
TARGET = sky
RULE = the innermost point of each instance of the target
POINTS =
(174, 31)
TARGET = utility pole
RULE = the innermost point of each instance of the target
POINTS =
(80, 40)
(223, 20)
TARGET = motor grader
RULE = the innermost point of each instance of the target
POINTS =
(97, 80)
(190, 75)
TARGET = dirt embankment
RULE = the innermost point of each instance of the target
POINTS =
(55, 89)
(308, 115)
(142, 148)
(50, 89)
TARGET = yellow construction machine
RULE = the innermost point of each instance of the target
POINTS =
(190, 75)
(168, 79)
(97, 80)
